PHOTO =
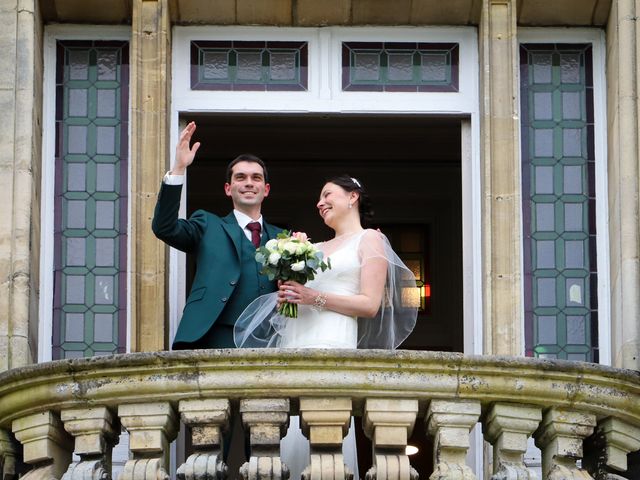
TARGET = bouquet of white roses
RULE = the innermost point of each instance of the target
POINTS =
(290, 257)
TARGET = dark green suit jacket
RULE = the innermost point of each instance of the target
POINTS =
(217, 243)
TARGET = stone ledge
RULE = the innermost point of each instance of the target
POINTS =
(235, 374)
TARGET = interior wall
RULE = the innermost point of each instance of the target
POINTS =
(410, 165)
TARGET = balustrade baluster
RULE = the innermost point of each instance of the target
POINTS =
(389, 423)
(45, 444)
(560, 437)
(507, 426)
(8, 454)
(207, 419)
(325, 422)
(606, 451)
(450, 422)
(95, 432)
(151, 427)
(266, 420)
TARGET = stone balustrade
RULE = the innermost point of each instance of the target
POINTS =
(50, 411)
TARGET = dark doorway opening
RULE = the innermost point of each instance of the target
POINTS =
(410, 165)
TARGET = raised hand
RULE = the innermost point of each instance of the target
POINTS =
(185, 153)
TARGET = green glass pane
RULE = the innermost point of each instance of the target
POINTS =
(434, 67)
(366, 67)
(283, 66)
(215, 65)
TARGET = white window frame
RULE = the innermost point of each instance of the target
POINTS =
(596, 37)
(53, 33)
(325, 95)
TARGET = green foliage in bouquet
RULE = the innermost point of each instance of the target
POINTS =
(291, 257)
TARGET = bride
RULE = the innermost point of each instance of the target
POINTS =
(355, 304)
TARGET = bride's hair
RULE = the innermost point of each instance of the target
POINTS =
(352, 184)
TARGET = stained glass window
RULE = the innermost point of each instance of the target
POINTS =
(558, 185)
(248, 65)
(90, 259)
(399, 67)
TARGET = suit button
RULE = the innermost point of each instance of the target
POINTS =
(261, 288)
(233, 282)
(224, 299)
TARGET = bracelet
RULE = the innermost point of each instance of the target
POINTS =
(319, 302)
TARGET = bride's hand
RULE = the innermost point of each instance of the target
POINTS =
(294, 292)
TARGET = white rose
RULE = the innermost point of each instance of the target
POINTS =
(291, 247)
(298, 266)
(271, 244)
(302, 248)
(274, 257)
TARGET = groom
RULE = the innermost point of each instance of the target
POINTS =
(227, 277)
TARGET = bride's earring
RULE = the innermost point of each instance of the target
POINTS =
(350, 205)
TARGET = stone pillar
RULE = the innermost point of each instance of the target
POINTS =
(45, 444)
(206, 419)
(266, 420)
(502, 203)
(96, 431)
(151, 427)
(389, 423)
(507, 427)
(325, 422)
(624, 181)
(150, 90)
(560, 437)
(449, 422)
(8, 454)
(606, 452)
(20, 166)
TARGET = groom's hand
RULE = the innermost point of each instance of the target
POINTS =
(184, 153)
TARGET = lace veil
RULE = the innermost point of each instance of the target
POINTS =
(260, 326)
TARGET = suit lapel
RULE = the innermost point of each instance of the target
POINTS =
(230, 225)
(270, 231)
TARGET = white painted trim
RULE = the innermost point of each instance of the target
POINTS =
(325, 95)
(596, 37)
(53, 33)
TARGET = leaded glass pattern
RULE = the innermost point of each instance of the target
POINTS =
(249, 65)
(558, 191)
(90, 259)
(399, 67)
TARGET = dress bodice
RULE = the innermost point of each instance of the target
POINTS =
(327, 329)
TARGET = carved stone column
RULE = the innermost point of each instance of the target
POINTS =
(151, 427)
(606, 452)
(507, 427)
(325, 422)
(389, 423)
(207, 419)
(96, 431)
(8, 454)
(560, 437)
(266, 420)
(150, 89)
(45, 444)
(450, 422)
(500, 133)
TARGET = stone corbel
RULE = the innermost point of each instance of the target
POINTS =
(207, 420)
(96, 431)
(389, 423)
(151, 427)
(325, 422)
(45, 444)
(450, 422)
(560, 437)
(607, 451)
(507, 427)
(266, 419)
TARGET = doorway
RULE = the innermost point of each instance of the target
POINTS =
(409, 164)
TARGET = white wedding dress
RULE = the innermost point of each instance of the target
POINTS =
(324, 329)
